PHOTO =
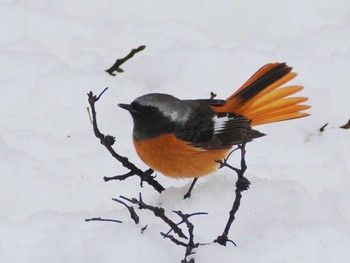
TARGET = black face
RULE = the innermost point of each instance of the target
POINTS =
(149, 121)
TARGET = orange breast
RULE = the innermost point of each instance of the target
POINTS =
(175, 158)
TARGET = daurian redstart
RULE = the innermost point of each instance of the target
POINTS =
(183, 138)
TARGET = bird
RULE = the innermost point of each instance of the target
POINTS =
(186, 138)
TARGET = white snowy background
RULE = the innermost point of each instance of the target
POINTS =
(53, 52)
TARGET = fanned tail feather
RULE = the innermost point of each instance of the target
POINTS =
(263, 100)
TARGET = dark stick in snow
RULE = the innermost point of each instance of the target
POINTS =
(119, 62)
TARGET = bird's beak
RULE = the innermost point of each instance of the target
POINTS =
(128, 107)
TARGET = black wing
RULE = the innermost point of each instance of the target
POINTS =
(207, 129)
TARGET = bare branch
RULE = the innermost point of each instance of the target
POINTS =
(119, 177)
(158, 212)
(132, 212)
(119, 62)
(174, 240)
(190, 244)
(187, 216)
(102, 219)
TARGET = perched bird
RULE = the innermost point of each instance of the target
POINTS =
(184, 138)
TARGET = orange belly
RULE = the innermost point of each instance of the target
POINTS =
(175, 158)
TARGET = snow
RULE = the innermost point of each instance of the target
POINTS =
(54, 52)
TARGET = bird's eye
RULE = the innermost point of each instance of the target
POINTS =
(135, 105)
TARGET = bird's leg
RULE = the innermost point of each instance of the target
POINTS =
(188, 194)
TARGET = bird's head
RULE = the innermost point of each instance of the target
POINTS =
(156, 113)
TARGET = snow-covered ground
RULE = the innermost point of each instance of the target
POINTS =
(54, 52)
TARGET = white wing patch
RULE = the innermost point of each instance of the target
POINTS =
(220, 122)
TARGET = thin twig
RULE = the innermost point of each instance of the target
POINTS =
(119, 177)
(323, 127)
(173, 239)
(158, 212)
(132, 212)
(190, 245)
(102, 219)
(188, 216)
(119, 62)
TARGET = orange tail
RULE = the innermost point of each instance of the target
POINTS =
(263, 100)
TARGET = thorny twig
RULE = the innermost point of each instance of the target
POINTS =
(242, 184)
(190, 245)
(108, 141)
(158, 212)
